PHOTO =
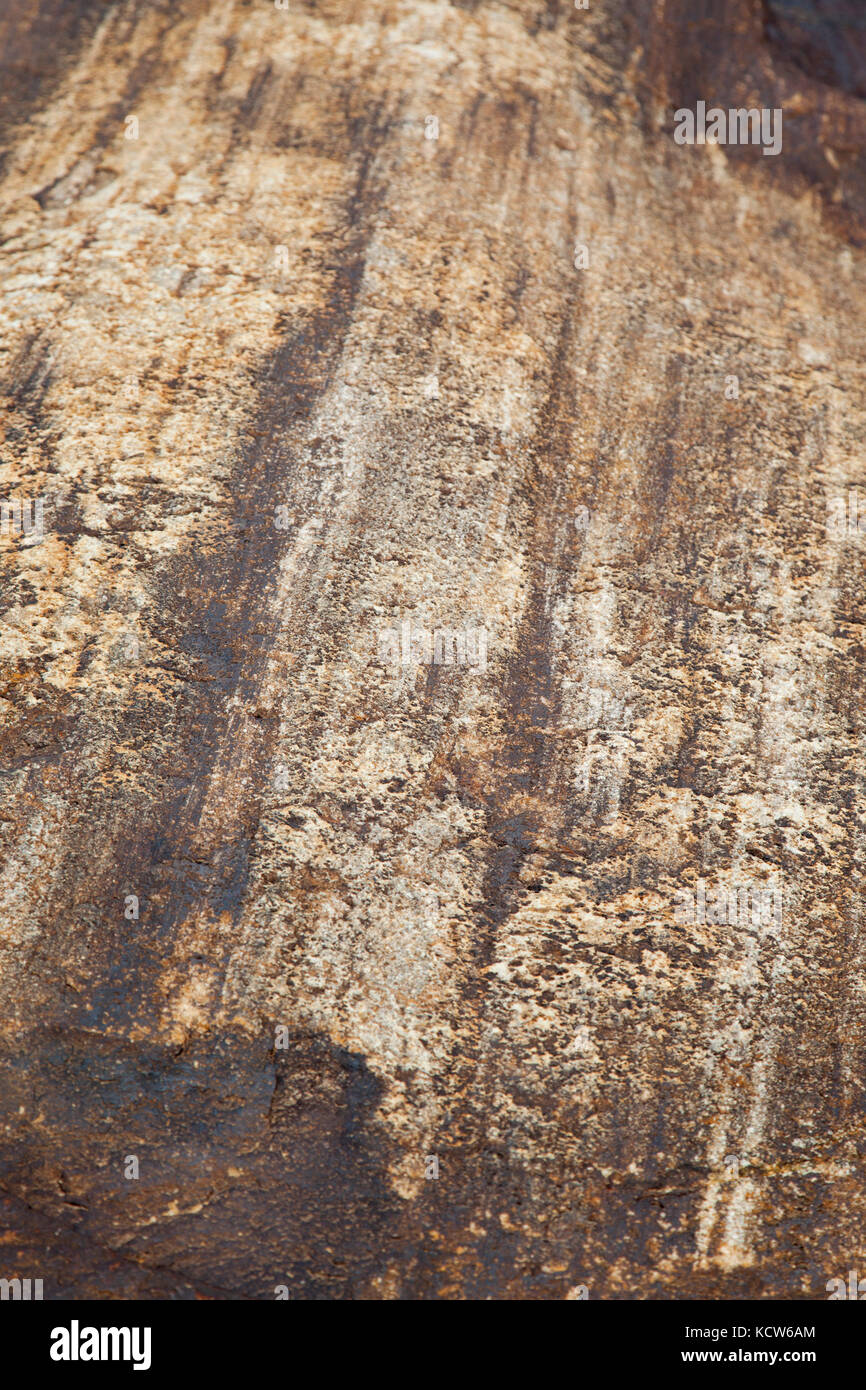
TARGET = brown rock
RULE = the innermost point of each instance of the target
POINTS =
(299, 348)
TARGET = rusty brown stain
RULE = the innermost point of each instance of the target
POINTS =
(475, 955)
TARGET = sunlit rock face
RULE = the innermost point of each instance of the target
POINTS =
(432, 533)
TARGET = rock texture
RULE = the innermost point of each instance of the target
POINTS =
(297, 348)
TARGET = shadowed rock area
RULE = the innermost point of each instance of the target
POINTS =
(328, 327)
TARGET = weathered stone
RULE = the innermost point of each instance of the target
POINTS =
(324, 321)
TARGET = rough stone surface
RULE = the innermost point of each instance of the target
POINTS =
(454, 888)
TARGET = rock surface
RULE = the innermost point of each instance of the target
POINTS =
(298, 346)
